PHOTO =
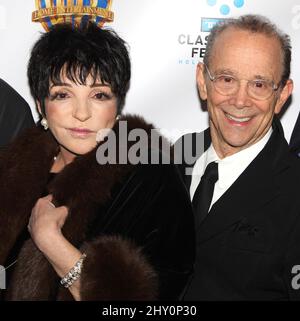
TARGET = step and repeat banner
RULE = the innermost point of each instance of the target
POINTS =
(167, 39)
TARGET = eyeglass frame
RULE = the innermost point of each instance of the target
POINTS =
(213, 78)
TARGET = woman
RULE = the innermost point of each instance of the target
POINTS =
(80, 230)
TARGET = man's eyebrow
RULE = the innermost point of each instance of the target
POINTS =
(235, 73)
(260, 77)
(225, 71)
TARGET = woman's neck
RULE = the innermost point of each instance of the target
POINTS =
(63, 158)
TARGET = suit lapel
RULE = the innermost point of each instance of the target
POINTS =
(258, 185)
(247, 194)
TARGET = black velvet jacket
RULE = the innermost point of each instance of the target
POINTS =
(134, 222)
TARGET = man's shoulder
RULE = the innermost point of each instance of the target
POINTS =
(293, 163)
(277, 159)
(9, 95)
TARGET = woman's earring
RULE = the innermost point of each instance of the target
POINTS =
(118, 117)
(44, 123)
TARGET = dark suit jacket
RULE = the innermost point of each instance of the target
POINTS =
(295, 138)
(248, 247)
(15, 114)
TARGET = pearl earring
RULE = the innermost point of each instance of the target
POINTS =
(118, 117)
(44, 123)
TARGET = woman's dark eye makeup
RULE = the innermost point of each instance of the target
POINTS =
(100, 94)
(58, 95)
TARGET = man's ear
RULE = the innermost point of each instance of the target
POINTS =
(201, 83)
(284, 95)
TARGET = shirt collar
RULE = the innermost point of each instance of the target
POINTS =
(231, 167)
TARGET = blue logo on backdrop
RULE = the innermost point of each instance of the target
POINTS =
(224, 8)
(208, 23)
(197, 42)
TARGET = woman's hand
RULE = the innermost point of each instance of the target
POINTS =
(46, 222)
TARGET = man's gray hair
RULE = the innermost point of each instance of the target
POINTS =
(255, 24)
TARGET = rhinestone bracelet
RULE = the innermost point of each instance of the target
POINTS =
(73, 274)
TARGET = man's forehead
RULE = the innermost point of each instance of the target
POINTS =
(234, 35)
(243, 51)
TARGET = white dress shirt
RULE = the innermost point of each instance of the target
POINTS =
(229, 168)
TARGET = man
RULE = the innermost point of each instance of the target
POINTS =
(15, 113)
(244, 186)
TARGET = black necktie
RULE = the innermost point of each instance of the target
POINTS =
(204, 192)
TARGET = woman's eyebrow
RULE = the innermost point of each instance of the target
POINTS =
(60, 84)
(99, 85)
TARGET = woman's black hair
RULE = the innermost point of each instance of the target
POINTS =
(79, 52)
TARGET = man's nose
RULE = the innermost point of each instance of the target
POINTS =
(241, 98)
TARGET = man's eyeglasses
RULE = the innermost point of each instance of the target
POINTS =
(228, 85)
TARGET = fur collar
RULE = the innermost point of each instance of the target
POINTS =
(81, 186)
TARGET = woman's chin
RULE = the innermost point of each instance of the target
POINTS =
(80, 149)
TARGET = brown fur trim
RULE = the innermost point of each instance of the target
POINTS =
(34, 277)
(115, 269)
(83, 186)
(24, 170)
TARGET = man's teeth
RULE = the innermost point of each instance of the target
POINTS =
(240, 120)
